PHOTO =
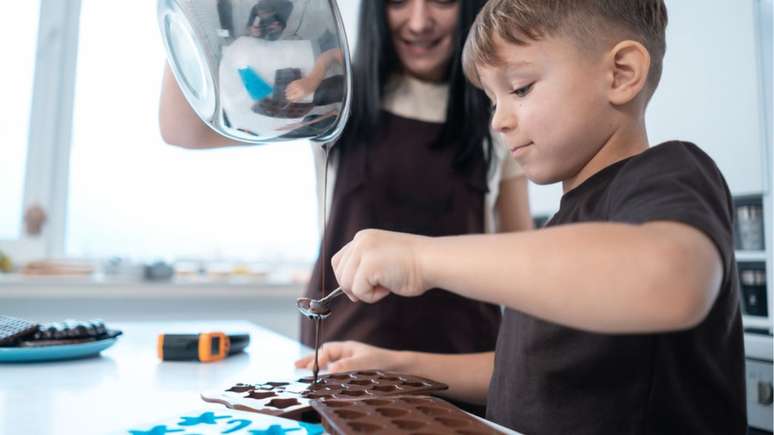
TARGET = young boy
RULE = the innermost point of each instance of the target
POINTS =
(622, 314)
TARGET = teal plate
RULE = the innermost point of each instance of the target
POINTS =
(54, 353)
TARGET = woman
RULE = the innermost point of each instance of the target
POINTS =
(416, 157)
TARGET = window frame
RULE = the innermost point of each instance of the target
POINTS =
(50, 127)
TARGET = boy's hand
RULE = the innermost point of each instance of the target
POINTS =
(341, 356)
(376, 263)
(298, 89)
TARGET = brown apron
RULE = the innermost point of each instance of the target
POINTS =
(400, 183)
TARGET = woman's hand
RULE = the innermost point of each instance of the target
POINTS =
(341, 356)
(376, 263)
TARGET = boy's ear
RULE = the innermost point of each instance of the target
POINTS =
(630, 64)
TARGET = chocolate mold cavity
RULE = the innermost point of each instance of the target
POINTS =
(337, 403)
(391, 412)
(377, 402)
(291, 399)
(408, 424)
(451, 422)
(361, 426)
(343, 376)
(384, 388)
(415, 401)
(432, 410)
(282, 403)
(418, 415)
(414, 384)
(349, 414)
(259, 395)
(356, 393)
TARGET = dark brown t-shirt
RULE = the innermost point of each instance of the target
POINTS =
(551, 379)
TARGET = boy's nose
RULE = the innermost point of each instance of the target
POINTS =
(502, 121)
(419, 16)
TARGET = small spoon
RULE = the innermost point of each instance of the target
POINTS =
(317, 308)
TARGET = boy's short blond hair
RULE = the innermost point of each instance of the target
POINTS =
(589, 23)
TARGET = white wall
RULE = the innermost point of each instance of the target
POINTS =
(349, 13)
(709, 94)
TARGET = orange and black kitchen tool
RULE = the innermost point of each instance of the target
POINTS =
(204, 347)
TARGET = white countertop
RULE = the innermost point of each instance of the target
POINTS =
(128, 384)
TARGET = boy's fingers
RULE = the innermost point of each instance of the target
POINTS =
(337, 257)
(344, 365)
(380, 293)
(346, 273)
(338, 260)
(362, 290)
(366, 288)
(303, 362)
(329, 352)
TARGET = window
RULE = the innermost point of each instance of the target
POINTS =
(21, 27)
(132, 195)
(80, 137)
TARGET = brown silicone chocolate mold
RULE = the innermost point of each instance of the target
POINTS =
(397, 415)
(291, 399)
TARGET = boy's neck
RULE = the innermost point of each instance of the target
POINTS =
(626, 141)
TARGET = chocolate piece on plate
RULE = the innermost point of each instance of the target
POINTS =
(13, 330)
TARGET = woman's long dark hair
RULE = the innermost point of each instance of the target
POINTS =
(468, 111)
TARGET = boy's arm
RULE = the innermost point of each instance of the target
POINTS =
(304, 86)
(467, 375)
(324, 61)
(471, 388)
(603, 277)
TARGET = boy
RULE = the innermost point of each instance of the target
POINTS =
(622, 315)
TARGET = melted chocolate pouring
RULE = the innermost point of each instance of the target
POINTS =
(323, 262)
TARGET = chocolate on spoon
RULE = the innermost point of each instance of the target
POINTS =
(317, 308)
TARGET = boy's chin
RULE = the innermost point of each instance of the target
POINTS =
(543, 177)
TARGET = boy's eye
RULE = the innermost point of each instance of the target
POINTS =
(523, 91)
